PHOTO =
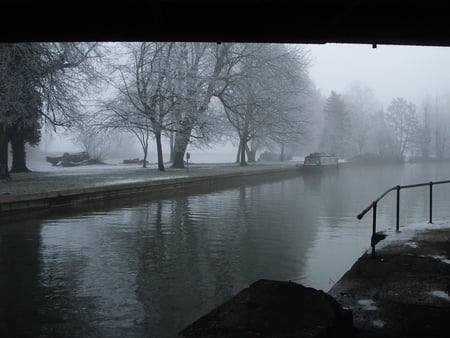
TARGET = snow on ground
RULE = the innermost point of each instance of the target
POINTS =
(130, 180)
(378, 323)
(45, 167)
(367, 304)
(412, 245)
(441, 258)
(102, 168)
(87, 169)
(440, 294)
(407, 232)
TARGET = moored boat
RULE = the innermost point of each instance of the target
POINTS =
(69, 160)
(319, 160)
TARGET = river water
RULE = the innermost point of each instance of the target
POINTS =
(148, 267)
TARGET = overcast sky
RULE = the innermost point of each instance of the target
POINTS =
(391, 71)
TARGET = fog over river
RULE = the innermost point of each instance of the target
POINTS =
(148, 267)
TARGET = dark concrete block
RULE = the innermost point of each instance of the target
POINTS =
(275, 309)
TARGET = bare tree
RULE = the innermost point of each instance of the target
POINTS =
(362, 106)
(259, 99)
(402, 118)
(441, 126)
(441, 137)
(424, 136)
(118, 114)
(93, 140)
(144, 98)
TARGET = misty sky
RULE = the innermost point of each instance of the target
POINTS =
(391, 71)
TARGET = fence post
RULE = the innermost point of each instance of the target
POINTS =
(397, 224)
(431, 202)
(374, 227)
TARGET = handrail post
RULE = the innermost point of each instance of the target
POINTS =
(374, 227)
(397, 224)
(431, 202)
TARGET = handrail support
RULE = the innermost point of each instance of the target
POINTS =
(397, 223)
(374, 227)
(373, 206)
(431, 202)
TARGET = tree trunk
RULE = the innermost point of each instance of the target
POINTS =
(19, 164)
(282, 153)
(181, 143)
(145, 149)
(4, 174)
(178, 161)
(238, 155)
(243, 145)
(172, 147)
(251, 154)
(159, 151)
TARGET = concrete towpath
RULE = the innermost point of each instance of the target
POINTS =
(404, 291)
(62, 186)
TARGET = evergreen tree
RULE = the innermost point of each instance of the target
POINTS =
(336, 126)
(20, 104)
(25, 125)
(19, 136)
(39, 81)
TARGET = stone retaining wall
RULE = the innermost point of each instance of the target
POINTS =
(12, 203)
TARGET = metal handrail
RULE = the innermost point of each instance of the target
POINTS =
(373, 206)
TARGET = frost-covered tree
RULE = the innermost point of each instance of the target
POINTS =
(402, 118)
(260, 98)
(20, 102)
(41, 81)
(92, 139)
(144, 95)
(19, 135)
(23, 120)
(199, 74)
(120, 115)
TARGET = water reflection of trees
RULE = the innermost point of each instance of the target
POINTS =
(200, 250)
(36, 289)
(151, 268)
(19, 274)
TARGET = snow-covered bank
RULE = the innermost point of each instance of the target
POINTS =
(77, 185)
(409, 231)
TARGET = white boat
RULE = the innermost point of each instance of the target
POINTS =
(320, 159)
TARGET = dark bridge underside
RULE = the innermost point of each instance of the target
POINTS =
(309, 21)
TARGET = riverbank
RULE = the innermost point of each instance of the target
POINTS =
(64, 186)
(405, 290)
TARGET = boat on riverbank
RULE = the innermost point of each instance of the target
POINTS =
(71, 160)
